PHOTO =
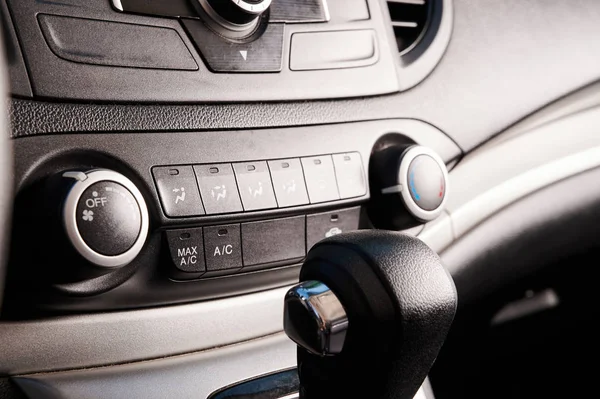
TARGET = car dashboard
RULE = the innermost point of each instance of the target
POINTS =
(173, 163)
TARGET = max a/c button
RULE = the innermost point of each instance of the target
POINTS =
(187, 250)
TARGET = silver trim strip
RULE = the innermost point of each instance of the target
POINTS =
(326, 9)
(497, 175)
(253, 8)
(193, 375)
(225, 23)
(488, 203)
(69, 342)
(70, 217)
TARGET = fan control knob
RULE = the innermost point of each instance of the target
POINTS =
(105, 217)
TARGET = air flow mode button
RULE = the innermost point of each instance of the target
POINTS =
(218, 188)
(178, 191)
(320, 179)
(254, 182)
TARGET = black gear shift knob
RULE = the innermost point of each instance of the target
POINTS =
(370, 316)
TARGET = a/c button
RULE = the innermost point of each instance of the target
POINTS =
(223, 248)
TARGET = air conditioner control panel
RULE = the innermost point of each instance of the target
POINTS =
(128, 224)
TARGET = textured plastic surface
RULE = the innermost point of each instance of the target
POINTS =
(17, 72)
(115, 44)
(264, 54)
(332, 50)
(58, 78)
(299, 10)
(348, 10)
(273, 241)
(460, 88)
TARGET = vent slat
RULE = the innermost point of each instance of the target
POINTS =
(404, 24)
(416, 2)
(409, 19)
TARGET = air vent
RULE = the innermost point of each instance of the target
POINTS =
(410, 19)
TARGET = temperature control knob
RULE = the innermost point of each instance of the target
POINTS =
(410, 186)
(235, 13)
(105, 217)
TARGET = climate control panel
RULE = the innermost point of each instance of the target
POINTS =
(129, 224)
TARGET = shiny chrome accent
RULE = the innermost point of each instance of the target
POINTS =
(315, 319)
(117, 4)
(70, 217)
(227, 24)
(253, 8)
(326, 9)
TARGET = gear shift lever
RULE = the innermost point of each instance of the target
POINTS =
(370, 315)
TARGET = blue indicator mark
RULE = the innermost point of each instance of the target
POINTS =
(411, 183)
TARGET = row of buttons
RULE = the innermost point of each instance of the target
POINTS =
(227, 249)
(249, 186)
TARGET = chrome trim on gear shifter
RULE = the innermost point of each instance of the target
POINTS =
(314, 301)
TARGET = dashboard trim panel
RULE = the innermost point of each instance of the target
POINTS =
(119, 337)
(538, 158)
